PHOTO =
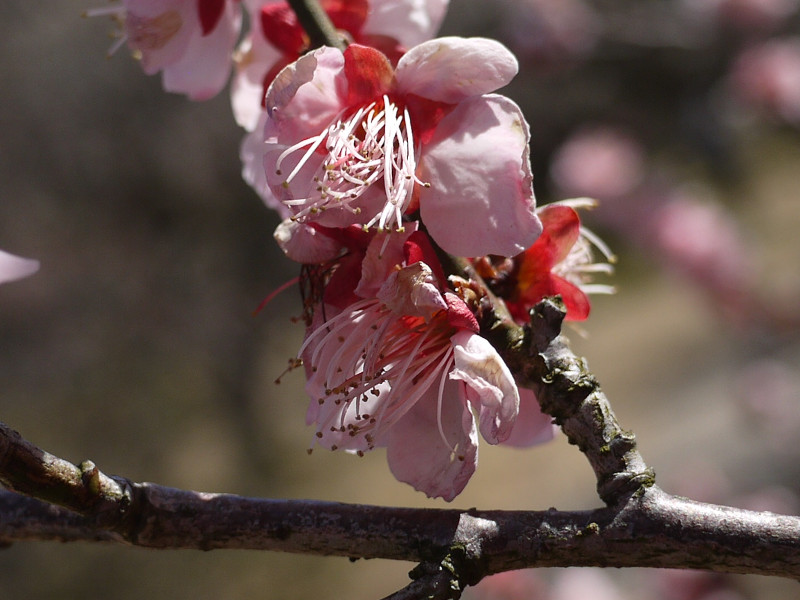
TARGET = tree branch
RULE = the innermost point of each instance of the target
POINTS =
(641, 526)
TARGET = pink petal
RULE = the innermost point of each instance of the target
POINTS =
(204, 68)
(532, 426)
(490, 387)
(306, 243)
(419, 456)
(160, 30)
(480, 200)
(247, 85)
(384, 253)
(410, 22)
(304, 97)
(251, 153)
(14, 267)
(451, 69)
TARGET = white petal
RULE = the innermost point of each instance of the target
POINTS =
(15, 267)
(489, 384)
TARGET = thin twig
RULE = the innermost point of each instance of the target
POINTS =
(317, 25)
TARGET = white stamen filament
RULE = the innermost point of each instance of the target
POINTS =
(366, 347)
(577, 267)
(118, 13)
(374, 143)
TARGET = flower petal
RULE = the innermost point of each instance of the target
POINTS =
(451, 69)
(480, 200)
(410, 22)
(532, 426)
(306, 243)
(15, 267)
(490, 387)
(304, 97)
(204, 68)
(384, 252)
(419, 456)
(412, 291)
(562, 226)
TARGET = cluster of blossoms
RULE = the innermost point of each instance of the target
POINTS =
(378, 158)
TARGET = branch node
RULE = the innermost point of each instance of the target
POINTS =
(90, 476)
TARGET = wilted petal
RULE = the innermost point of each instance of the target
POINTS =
(480, 200)
(418, 453)
(451, 69)
(15, 267)
(490, 387)
(532, 425)
(412, 291)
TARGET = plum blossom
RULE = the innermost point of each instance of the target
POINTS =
(767, 77)
(14, 267)
(276, 39)
(189, 41)
(560, 262)
(394, 361)
(350, 140)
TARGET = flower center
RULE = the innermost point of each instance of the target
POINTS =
(373, 144)
(372, 367)
(144, 33)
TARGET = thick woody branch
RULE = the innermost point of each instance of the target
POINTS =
(540, 358)
(456, 547)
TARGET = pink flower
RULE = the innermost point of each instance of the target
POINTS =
(767, 77)
(394, 361)
(189, 41)
(15, 267)
(560, 263)
(350, 140)
(277, 40)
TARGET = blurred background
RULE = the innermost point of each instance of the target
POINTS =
(135, 344)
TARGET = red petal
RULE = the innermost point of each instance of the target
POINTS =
(575, 300)
(210, 12)
(369, 74)
(281, 29)
(458, 313)
(347, 15)
(385, 43)
(562, 225)
(418, 248)
(343, 282)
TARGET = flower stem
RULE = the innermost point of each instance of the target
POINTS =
(317, 25)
